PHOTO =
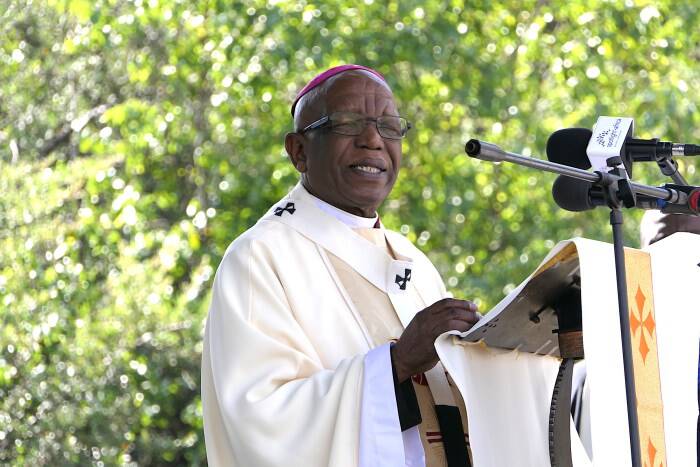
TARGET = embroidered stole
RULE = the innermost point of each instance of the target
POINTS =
(383, 324)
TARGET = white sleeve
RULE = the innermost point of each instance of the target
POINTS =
(267, 398)
(381, 441)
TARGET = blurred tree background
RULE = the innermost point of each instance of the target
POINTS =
(138, 138)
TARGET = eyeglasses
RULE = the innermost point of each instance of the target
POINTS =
(352, 124)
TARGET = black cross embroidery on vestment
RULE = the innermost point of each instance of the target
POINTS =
(402, 281)
(288, 208)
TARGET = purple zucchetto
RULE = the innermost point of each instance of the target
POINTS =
(322, 77)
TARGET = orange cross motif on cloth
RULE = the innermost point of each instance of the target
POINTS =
(639, 321)
(651, 455)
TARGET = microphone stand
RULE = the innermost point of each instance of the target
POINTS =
(669, 167)
(616, 221)
(619, 192)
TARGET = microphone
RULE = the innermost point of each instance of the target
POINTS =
(644, 150)
(577, 195)
(568, 146)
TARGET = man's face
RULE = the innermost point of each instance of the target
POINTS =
(335, 167)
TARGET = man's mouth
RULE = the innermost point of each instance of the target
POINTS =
(369, 166)
(367, 169)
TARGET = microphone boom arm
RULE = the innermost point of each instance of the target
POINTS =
(491, 152)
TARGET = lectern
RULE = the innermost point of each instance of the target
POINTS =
(513, 368)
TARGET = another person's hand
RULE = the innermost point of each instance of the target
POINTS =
(414, 352)
(656, 226)
(672, 223)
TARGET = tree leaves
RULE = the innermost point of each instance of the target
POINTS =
(138, 139)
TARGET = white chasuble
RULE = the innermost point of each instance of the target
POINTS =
(287, 357)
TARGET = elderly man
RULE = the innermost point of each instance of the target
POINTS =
(319, 343)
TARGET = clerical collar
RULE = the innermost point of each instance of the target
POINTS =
(351, 220)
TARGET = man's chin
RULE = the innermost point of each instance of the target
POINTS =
(365, 202)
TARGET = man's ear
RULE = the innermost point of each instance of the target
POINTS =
(294, 144)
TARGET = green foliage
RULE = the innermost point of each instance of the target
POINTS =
(137, 139)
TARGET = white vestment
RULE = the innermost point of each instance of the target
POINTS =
(509, 401)
(289, 375)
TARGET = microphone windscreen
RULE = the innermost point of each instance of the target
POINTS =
(568, 147)
(572, 194)
(694, 201)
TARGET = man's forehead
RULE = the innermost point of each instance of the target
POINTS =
(356, 82)
(358, 94)
(353, 90)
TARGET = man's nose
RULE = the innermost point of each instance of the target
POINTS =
(370, 137)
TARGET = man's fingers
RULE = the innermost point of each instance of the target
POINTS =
(463, 315)
(459, 322)
(456, 325)
(447, 303)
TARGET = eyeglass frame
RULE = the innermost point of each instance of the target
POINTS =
(326, 120)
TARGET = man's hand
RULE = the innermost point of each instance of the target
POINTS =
(414, 352)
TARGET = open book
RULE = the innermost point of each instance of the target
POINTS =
(529, 318)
